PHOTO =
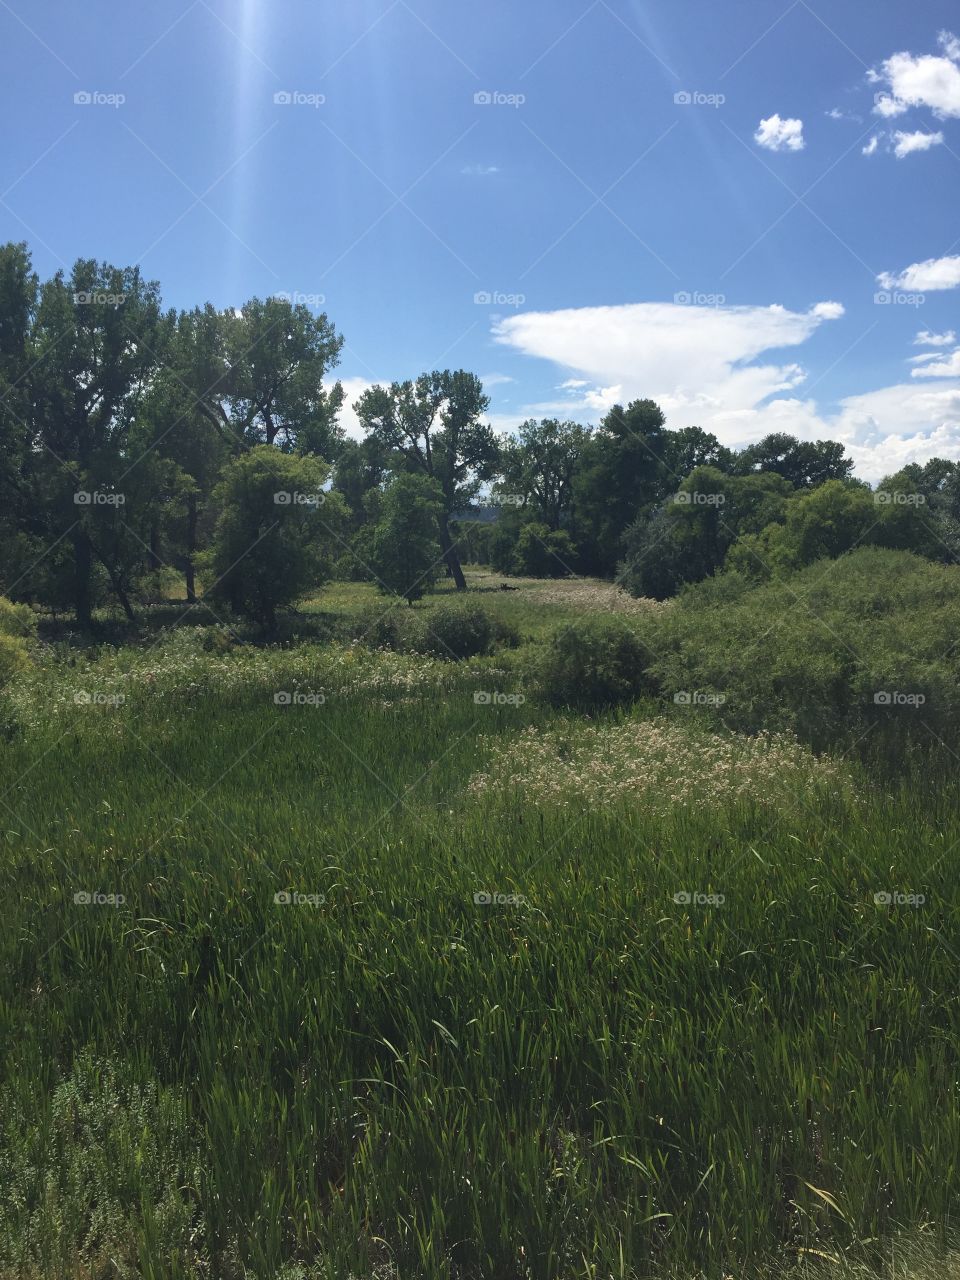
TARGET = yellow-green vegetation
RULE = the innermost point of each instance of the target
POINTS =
(328, 960)
(18, 625)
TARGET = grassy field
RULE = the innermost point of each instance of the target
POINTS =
(287, 991)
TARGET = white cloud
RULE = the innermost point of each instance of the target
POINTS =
(872, 145)
(924, 277)
(701, 365)
(924, 81)
(836, 114)
(927, 339)
(479, 170)
(906, 143)
(884, 430)
(353, 389)
(780, 135)
(940, 367)
(495, 379)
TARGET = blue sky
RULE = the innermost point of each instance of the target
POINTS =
(747, 211)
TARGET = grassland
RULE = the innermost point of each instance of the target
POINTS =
(705, 1039)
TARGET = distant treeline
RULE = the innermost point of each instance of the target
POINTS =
(138, 443)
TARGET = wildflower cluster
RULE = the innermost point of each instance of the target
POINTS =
(656, 764)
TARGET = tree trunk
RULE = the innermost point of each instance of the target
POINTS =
(125, 602)
(191, 547)
(154, 560)
(450, 557)
(82, 564)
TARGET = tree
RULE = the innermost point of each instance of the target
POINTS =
(434, 423)
(693, 447)
(360, 467)
(622, 471)
(405, 550)
(804, 463)
(540, 464)
(276, 533)
(687, 538)
(257, 374)
(542, 552)
(93, 348)
(175, 426)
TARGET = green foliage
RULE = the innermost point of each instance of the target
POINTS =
(539, 464)
(276, 533)
(817, 651)
(18, 625)
(622, 471)
(404, 551)
(688, 537)
(832, 519)
(458, 630)
(592, 663)
(803, 463)
(542, 552)
(435, 424)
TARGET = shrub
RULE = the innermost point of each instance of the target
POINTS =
(380, 627)
(594, 662)
(816, 652)
(18, 625)
(459, 630)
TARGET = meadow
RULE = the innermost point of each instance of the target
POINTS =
(326, 960)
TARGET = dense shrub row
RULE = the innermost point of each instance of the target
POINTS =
(863, 647)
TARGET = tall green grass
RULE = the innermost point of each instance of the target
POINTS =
(590, 1078)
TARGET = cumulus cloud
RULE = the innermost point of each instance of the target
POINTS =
(939, 367)
(701, 363)
(924, 277)
(886, 429)
(927, 339)
(906, 143)
(353, 389)
(780, 135)
(705, 367)
(927, 80)
(872, 145)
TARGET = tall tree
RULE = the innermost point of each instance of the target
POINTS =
(93, 349)
(805, 463)
(623, 471)
(435, 423)
(540, 464)
(404, 547)
(257, 374)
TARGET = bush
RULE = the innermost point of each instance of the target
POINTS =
(451, 631)
(592, 663)
(18, 625)
(454, 631)
(380, 627)
(837, 652)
